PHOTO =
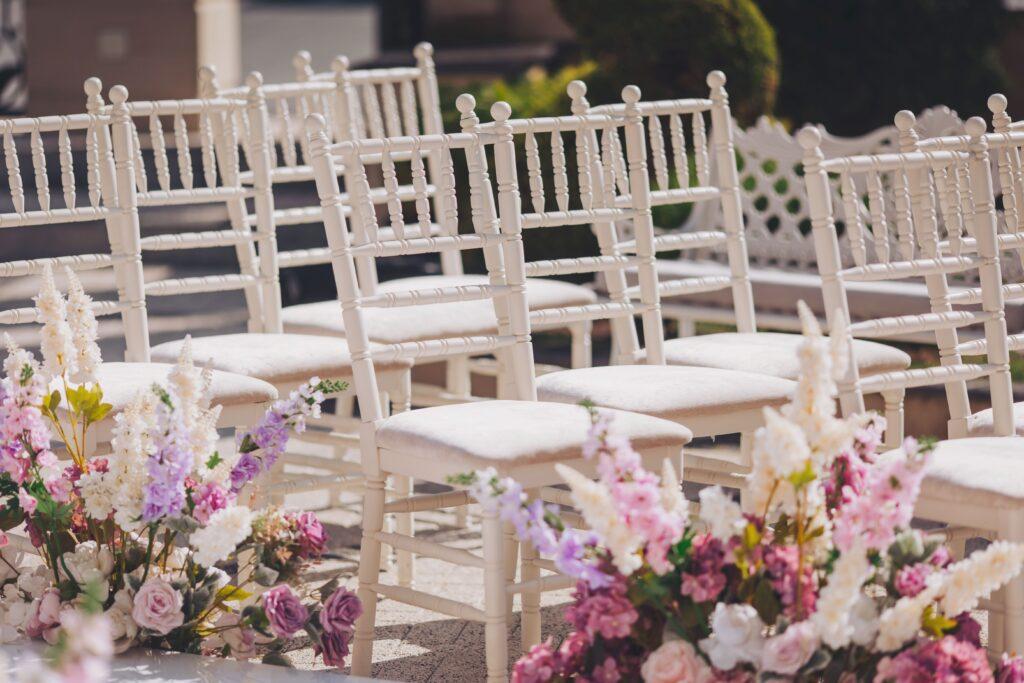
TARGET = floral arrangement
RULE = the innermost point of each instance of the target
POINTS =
(146, 533)
(818, 576)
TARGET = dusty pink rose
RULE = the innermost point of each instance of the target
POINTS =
(333, 647)
(675, 662)
(312, 536)
(787, 652)
(284, 610)
(158, 607)
(341, 611)
(44, 614)
(240, 639)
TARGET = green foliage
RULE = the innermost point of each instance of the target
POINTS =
(535, 93)
(667, 47)
(851, 64)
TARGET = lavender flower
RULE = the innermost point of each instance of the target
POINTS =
(270, 435)
(169, 465)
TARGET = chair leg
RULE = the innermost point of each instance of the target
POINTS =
(582, 353)
(510, 551)
(1013, 602)
(369, 574)
(530, 622)
(495, 614)
(404, 522)
(894, 430)
(459, 382)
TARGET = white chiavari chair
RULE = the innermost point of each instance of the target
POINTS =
(716, 179)
(98, 221)
(971, 482)
(285, 361)
(377, 103)
(520, 438)
(1005, 144)
(708, 401)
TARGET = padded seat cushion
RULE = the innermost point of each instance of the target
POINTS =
(505, 433)
(666, 391)
(122, 381)
(433, 321)
(274, 358)
(771, 353)
(987, 471)
(981, 423)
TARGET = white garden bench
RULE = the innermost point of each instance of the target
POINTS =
(782, 261)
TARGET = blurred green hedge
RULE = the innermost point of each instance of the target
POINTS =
(667, 47)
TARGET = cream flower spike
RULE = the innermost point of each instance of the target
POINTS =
(808, 321)
(16, 358)
(57, 348)
(840, 344)
(84, 329)
(672, 498)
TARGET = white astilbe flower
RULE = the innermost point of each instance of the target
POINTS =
(833, 615)
(58, 350)
(720, 513)
(131, 445)
(17, 358)
(190, 388)
(780, 449)
(220, 537)
(84, 330)
(672, 498)
(974, 578)
(901, 622)
(596, 505)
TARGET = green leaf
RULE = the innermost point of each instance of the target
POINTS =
(803, 477)
(936, 623)
(275, 658)
(766, 602)
(231, 593)
(214, 460)
(98, 412)
(751, 536)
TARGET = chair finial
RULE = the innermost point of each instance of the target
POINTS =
(208, 81)
(905, 120)
(302, 59)
(809, 137)
(997, 103)
(501, 111)
(716, 79)
(119, 94)
(93, 94)
(631, 94)
(315, 125)
(577, 91)
(975, 126)
(254, 80)
(423, 51)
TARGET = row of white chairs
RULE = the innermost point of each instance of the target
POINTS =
(619, 151)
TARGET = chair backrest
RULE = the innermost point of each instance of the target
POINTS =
(501, 243)
(777, 229)
(608, 187)
(175, 182)
(714, 178)
(39, 208)
(901, 189)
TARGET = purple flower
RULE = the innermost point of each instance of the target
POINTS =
(245, 470)
(340, 612)
(967, 629)
(536, 666)
(209, 498)
(703, 579)
(169, 466)
(605, 611)
(910, 580)
(947, 659)
(333, 647)
(1010, 670)
(312, 536)
(284, 611)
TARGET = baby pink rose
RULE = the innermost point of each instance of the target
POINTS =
(240, 639)
(158, 607)
(786, 653)
(49, 607)
(675, 662)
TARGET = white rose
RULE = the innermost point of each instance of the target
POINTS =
(123, 629)
(864, 620)
(788, 651)
(736, 636)
(35, 582)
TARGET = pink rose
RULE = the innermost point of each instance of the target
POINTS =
(240, 639)
(312, 536)
(28, 503)
(675, 662)
(341, 611)
(787, 652)
(49, 607)
(158, 607)
(333, 647)
(284, 611)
